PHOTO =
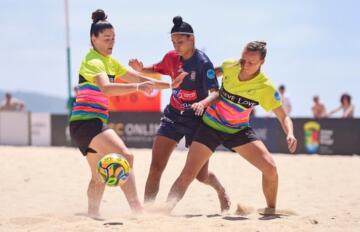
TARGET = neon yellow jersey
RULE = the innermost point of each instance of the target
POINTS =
(95, 64)
(238, 98)
(90, 101)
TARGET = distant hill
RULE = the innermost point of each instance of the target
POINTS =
(36, 102)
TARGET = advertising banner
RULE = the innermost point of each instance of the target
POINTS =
(14, 128)
(136, 129)
(40, 129)
(60, 134)
(328, 136)
(137, 101)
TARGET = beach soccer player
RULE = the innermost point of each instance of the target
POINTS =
(89, 116)
(226, 122)
(187, 103)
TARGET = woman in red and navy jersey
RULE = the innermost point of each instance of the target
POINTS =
(187, 103)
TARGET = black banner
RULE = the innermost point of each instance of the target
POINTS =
(137, 129)
(325, 136)
(60, 134)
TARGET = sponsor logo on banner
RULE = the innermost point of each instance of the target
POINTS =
(311, 136)
(135, 132)
(317, 139)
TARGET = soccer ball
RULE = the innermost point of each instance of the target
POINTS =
(113, 169)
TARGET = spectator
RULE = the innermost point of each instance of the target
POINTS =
(346, 106)
(285, 100)
(11, 104)
(318, 109)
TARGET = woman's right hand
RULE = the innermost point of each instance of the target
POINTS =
(147, 86)
(136, 65)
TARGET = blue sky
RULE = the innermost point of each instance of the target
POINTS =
(313, 46)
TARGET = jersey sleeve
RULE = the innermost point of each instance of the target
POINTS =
(163, 66)
(92, 68)
(229, 63)
(120, 69)
(271, 99)
(209, 76)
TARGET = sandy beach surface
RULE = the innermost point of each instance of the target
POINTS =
(44, 189)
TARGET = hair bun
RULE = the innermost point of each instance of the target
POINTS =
(177, 20)
(98, 15)
(263, 43)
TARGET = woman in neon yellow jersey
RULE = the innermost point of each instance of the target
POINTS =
(226, 122)
(89, 117)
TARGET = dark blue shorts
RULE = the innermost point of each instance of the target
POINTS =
(175, 125)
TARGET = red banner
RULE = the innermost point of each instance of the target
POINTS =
(137, 101)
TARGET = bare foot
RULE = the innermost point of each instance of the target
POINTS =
(137, 209)
(244, 210)
(224, 201)
(95, 215)
(275, 212)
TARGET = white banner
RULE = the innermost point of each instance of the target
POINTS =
(40, 129)
(14, 128)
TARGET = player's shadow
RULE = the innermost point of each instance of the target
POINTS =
(269, 217)
(192, 215)
(213, 215)
(113, 224)
(235, 218)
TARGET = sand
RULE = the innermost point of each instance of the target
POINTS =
(44, 189)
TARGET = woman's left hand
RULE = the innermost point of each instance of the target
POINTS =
(292, 143)
(198, 107)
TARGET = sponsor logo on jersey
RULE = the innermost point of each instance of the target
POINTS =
(186, 95)
(192, 75)
(210, 74)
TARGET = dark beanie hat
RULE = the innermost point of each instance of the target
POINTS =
(181, 27)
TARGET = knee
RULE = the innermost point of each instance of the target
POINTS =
(203, 177)
(96, 181)
(129, 157)
(270, 172)
(186, 179)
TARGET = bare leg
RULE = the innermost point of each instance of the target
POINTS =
(161, 151)
(95, 188)
(109, 142)
(257, 154)
(198, 155)
(210, 179)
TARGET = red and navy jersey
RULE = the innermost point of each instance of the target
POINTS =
(195, 86)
